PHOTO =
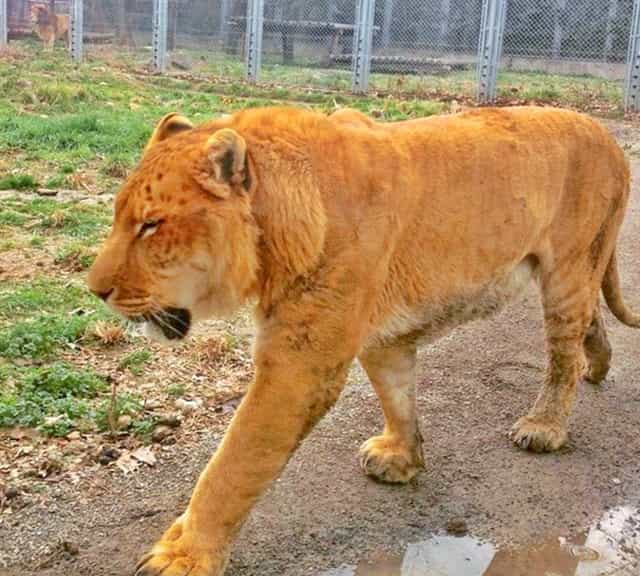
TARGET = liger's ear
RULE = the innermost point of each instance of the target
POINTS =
(169, 126)
(224, 166)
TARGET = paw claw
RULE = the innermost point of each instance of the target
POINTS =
(538, 435)
(177, 554)
(388, 460)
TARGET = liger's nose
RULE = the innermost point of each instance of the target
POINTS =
(104, 295)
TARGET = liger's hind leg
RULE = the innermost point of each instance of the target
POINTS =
(569, 298)
(597, 349)
(395, 455)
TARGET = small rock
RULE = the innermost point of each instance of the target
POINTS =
(145, 454)
(74, 447)
(173, 419)
(124, 422)
(75, 435)
(11, 492)
(160, 433)
(457, 527)
(616, 481)
(188, 406)
(107, 454)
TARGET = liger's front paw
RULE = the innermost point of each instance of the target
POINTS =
(387, 459)
(177, 554)
(539, 435)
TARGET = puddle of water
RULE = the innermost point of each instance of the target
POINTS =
(610, 547)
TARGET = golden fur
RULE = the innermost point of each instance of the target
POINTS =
(361, 240)
(49, 27)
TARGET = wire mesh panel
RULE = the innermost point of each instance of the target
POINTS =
(207, 37)
(426, 44)
(118, 30)
(564, 38)
(308, 42)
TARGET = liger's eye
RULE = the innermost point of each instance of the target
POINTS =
(149, 227)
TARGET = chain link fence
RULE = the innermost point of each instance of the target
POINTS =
(432, 45)
(555, 48)
(506, 48)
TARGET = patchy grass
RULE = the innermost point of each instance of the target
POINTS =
(52, 398)
(18, 182)
(39, 318)
(135, 361)
(75, 256)
(84, 223)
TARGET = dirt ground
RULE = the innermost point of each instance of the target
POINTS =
(323, 516)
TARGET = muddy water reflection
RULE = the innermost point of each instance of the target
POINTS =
(610, 547)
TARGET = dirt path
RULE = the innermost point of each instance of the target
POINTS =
(323, 513)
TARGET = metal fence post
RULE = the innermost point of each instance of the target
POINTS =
(4, 33)
(253, 39)
(632, 86)
(362, 40)
(159, 34)
(490, 48)
(76, 30)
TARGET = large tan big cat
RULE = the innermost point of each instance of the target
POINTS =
(49, 27)
(361, 240)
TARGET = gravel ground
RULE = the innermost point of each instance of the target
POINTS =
(324, 516)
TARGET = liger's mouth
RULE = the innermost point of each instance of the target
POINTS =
(174, 322)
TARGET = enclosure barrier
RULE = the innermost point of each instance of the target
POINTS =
(490, 48)
(3, 24)
(421, 40)
(362, 39)
(253, 39)
(159, 34)
(632, 88)
(76, 30)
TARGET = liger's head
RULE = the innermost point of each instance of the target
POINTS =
(183, 245)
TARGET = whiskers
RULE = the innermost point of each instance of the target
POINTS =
(173, 322)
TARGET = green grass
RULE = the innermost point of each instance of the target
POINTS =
(40, 317)
(84, 223)
(18, 182)
(28, 396)
(135, 361)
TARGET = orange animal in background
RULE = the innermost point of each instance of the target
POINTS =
(49, 27)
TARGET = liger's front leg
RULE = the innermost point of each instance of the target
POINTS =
(289, 395)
